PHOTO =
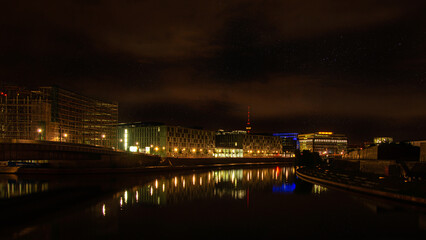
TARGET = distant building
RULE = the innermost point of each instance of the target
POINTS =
(290, 142)
(55, 114)
(401, 151)
(380, 140)
(417, 143)
(241, 144)
(325, 143)
(165, 140)
(423, 152)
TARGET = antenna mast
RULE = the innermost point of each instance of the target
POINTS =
(248, 126)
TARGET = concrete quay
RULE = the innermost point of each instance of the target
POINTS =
(183, 164)
(377, 185)
(43, 157)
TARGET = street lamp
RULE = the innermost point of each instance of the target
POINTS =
(39, 130)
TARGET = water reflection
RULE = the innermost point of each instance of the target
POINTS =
(318, 189)
(235, 203)
(12, 186)
(215, 184)
(232, 184)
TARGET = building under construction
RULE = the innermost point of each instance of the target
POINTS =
(55, 114)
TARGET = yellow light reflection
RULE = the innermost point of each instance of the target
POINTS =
(103, 210)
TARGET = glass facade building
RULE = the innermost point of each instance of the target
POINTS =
(165, 140)
(251, 145)
(290, 141)
(55, 114)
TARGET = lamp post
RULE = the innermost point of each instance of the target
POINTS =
(39, 130)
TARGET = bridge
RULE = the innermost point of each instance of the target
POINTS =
(69, 155)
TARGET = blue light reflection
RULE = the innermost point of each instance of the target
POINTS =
(285, 188)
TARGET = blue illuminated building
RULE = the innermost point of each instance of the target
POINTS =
(290, 141)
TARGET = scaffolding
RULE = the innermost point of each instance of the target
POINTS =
(23, 114)
(55, 114)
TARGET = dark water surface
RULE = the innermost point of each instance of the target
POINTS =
(256, 203)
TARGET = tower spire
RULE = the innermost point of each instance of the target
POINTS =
(248, 126)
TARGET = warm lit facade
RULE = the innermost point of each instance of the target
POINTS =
(242, 144)
(380, 140)
(165, 140)
(325, 143)
(54, 114)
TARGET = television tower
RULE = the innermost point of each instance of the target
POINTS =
(248, 126)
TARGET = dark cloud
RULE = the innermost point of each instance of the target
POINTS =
(357, 68)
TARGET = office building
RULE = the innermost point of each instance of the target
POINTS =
(325, 143)
(165, 140)
(241, 144)
(290, 142)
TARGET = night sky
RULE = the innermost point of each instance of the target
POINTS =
(352, 67)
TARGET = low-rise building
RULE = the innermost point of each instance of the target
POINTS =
(325, 143)
(166, 140)
(247, 145)
(387, 151)
(423, 152)
(417, 143)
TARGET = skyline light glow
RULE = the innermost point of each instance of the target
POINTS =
(356, 68)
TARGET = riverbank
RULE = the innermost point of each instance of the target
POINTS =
(43, 157)
(166, 164)
(386, 187)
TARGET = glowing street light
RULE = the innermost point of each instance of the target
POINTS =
(39, 131)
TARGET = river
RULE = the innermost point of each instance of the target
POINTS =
(258, 203)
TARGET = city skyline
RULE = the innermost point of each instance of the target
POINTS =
(307, 66)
